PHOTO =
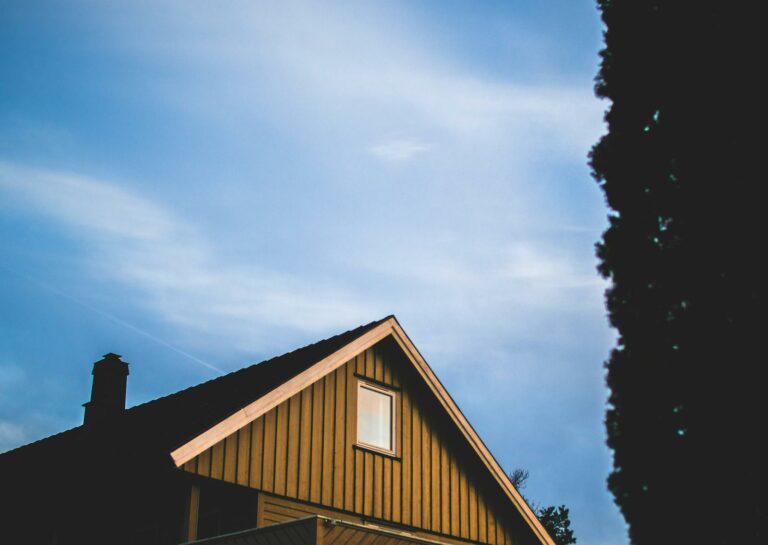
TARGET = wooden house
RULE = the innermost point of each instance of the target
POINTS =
(350, 440)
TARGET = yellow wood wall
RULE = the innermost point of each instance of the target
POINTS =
(278, 509)
(305, 449)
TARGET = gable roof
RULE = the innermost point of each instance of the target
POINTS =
(186, 423)
(168, 422)
(372, 334)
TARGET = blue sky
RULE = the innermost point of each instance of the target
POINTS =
(199, 186)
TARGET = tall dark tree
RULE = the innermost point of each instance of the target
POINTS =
(681, 171)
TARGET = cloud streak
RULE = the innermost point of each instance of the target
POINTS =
(11, 434)
(398, 150)
(175, 271)
(171, 266)
(332, 66)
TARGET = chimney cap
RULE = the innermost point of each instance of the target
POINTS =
(110, 362)
(111, 356)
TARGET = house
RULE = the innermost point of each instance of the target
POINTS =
(349, 440)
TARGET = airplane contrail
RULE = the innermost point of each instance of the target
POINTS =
(113, 318)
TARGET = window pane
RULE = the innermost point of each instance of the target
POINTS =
(374, 418)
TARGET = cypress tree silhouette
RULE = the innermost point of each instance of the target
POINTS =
(685, 254)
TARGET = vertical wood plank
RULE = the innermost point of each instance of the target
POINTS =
(455, 515)
(416, 466)
(397, 490)
(294, 428)
(350, 436)
(217, 460)
(204, 463)
(378, 365)
(281, 447)
(387, 378)
(482, 520)
(407, 454)
(317, 442)
(491, 526)
(191, 516)
(243, 455)
(268, 464)
(259, 510)
(445, 490)
(463, 503)
(257, 452)
(378, 486)
(370, 370)
(435, 478)
(305, 443)
(386, 477)
(340, 416)
(368, 491)
(359, 480)
(230, 458)
(426, 480)
(329, 422)
(397, 465)
(395, 366)
(472, 512)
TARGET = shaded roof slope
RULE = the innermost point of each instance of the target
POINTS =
(158, 426)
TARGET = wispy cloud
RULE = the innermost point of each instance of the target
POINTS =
(10, 376)
(11, 435)
(172, 267)
(487, 141)
(175, 271)
(398, 150)
(12, 428)
(386, 78)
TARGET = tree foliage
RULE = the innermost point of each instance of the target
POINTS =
(684, 251)
(519, 478)
(556, 520)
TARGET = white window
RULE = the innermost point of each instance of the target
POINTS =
(375, 417)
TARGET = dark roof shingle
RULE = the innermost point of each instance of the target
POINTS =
(159, 426)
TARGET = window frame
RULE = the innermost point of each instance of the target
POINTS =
(393, 395)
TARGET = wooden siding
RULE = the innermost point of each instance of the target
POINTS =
(278, 510)
(275, 509)
(305, 449)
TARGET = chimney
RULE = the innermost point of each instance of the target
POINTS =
(110, 377)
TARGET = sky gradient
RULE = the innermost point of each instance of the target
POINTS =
(198, 188)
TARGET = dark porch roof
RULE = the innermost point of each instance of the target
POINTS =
(317, 530)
